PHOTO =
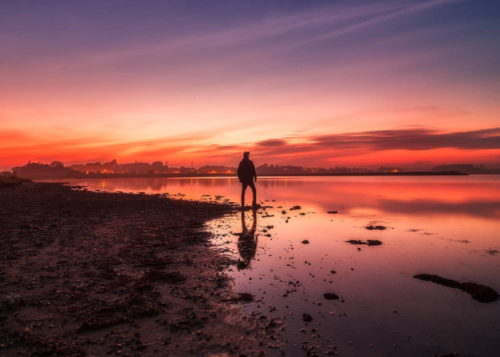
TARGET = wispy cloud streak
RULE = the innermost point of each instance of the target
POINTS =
(412, 139)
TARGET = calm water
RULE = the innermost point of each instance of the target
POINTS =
(448, 226)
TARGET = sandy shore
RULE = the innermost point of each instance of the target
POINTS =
(91, 274)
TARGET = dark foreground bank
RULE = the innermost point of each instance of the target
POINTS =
(11, 181)
(90, 274)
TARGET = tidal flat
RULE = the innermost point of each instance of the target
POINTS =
(314, 282)
(93, 274)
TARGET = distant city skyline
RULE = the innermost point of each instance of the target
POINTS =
(402, 83)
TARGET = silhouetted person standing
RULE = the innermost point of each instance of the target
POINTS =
(246, 174)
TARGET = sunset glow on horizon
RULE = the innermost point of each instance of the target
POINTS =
(314, 83)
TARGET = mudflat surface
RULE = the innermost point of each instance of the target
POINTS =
(85, 273)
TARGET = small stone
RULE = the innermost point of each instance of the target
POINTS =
(307, 317)
(330, 296)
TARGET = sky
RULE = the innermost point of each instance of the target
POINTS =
(302, 82)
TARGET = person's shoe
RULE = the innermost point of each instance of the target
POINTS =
(255, 205)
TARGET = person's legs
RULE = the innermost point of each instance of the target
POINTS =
(254, 191)
(243, 189)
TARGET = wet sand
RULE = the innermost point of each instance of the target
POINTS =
(89, 274)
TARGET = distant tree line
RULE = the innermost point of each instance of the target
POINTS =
(57, 169)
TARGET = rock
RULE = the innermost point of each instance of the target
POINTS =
(332, 212)
(307, 317)
(330, 296)
(371, 228)
(245, 297)
(294, 208)
(478, 292)
(283, 212)
(355, 241)
(305, 241)
(369, 242)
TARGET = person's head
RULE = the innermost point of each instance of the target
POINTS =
(246, 154)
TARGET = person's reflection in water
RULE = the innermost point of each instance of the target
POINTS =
(247, 243)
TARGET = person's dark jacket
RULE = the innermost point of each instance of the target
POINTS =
(246, 171)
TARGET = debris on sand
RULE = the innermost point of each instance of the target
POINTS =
(332, 212)
(478, 292)
(246, 208)
(242, 297)
(491, 251)
(459, 241)
(305, 241)
(307, 317)
(47, 346)
(330, 296)
(173, 277)
(369, 242)
(371, 228)
(11, 301)
(294, 208)
(122, 269)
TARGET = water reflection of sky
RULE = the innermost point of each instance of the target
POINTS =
(469, 196)
(440, 225)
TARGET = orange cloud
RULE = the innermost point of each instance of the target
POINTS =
(372, 148)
